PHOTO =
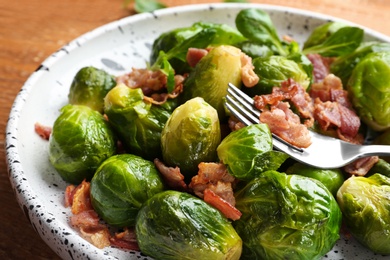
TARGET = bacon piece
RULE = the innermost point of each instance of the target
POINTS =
(284, 123)
(172, 176)
(234, 124)
(194, 55)
(148, 80)
(361, 166)
(85, 218)
(216, 177)
(222, 205)
(161, 98)
(43, 131)
(81, 198)
(321, 66)
(69, 192)
(248, 75)
(126, 239)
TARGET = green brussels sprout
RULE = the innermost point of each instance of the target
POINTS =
(177, 225)
(274, 70)
(211, 76)
(89, 87)
(331, 178)
(254, 49)
(121, 185)
(286, 217)
(191, 136)
(248, 152)
(364, 202)
(342, 67)
(382, 167)
(221, 34)
(369, 90)
(80, 141)
(137, 122)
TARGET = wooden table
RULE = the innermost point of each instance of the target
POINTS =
(30, 30)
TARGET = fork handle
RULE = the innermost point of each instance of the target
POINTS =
(371, 150)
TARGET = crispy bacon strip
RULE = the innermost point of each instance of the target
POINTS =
(361, 166)
(248, 75)
(284, 123)
(223, 206)
(81, 198)
(194, 55)
(172, 176)
(321, 66)
(43, 131)
(126, 239)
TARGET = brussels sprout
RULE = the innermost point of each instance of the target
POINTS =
(176, 225)
(274, 70)
(255, 50)
(121, 185)
(191, 136)
(343, 66)
(176, 39)
(286, 217)
(369, 90)
(248, 152)
(365, 203)
(89, 87)
(211, 76)
(382, 167)
(331, 178)
(80, 141)
(137, 122)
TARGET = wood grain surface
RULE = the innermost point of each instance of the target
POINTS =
(30, 30)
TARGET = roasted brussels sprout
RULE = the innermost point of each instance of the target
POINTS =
(177, 225)
(80, 141)
(369, 90)
(89, 87)
(342, 67)
(121, 185)
(286, 217)
(211, 76)
(218, 34)
(365, 203)
(248, 152)
(274, 70)
(331, 178)
(191, 136)
(137, 122)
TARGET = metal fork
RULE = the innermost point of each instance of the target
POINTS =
(325, 152)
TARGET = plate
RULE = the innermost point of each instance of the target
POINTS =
(116, 48)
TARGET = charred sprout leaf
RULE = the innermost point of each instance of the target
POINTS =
(138, 123)
(274, 70)
(191, 136)
(211, 76)
(177, 225)
(80, 141)
(89, 87)
(257, 26)
(286, 217)
(331, 178)
(121, 185)
(248, 152)
(365, 202)
(342, 42)
(343, 66)
(369, 90)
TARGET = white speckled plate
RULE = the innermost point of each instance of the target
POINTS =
(116, 48)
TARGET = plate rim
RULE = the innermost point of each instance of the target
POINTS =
(15, 169)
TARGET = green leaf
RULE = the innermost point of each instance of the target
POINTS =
(257, 26)
(142, 6)
(342, 42)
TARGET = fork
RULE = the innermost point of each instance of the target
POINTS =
(325, 152)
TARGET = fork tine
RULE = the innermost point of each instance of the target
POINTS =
(243, 99)
(241, 112)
